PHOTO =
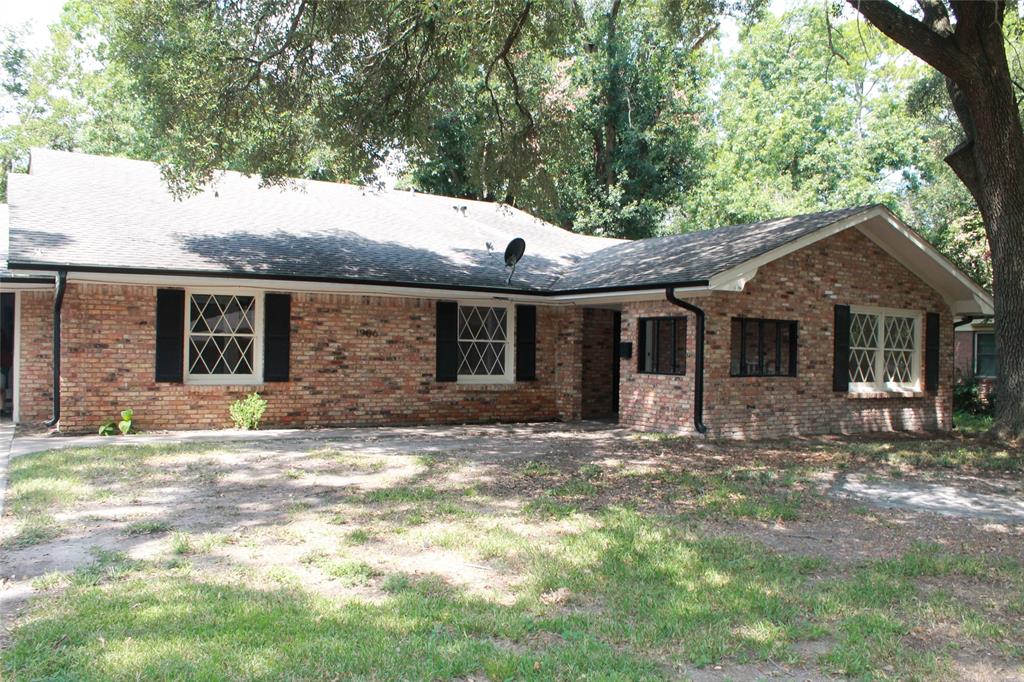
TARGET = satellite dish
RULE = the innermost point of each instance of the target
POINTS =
(513, 252)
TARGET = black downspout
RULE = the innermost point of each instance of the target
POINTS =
(698, 374)
(58, 302)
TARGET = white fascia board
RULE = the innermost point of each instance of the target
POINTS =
(366, 289)
(980, 301)
(970, 307)
(733, 280)
(369, 289)
(596, 298)
(9, 286)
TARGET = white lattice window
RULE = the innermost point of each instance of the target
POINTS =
(485, 343)
(223, 340)
(885, 350)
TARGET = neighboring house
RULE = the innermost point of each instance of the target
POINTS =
(975, 353)
(345, 306)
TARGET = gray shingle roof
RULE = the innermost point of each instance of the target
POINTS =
(694, 257)
(101, 212)
(93, 212)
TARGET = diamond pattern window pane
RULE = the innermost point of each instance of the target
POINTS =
(483, 335)
(899, 333)
(863, 331)
(863, 347)
(221, 339)
(899, 366)
(899, 349)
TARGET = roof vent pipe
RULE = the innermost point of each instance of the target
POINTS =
(698, 374)
(58, 303)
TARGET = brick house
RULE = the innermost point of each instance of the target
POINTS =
(975, 356)
(345, 306)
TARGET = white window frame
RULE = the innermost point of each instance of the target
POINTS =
(975, 356)
(509, 376)
(256, 377)
(880, 385)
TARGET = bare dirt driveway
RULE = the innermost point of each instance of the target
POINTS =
(509, 552)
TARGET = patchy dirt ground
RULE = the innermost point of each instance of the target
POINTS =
(337, 515)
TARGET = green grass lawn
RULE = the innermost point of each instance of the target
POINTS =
(596, 571)
(971, 424)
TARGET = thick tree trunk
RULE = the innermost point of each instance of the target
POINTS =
(991, 165)
(1006, 237)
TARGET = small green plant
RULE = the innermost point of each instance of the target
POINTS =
(110, 428)
(969, 397)
(125, 425)
(247, 412)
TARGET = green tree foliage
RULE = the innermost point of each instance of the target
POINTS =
(815, 112)
(623, 109)
(810, 114)
(581, 112)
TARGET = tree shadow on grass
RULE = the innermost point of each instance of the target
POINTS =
(165, 625)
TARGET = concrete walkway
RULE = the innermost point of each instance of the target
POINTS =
(514, 437)
(932, 497)
(6, 436)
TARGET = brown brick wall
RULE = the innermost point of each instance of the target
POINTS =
(964, 355)
(35, 372)
(804, 286)
(598, 338)
(568, 354)
(354, 360)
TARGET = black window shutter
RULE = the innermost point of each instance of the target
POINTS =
(170, 334)
(841, 359)
(792, 348)
(641, 344)
(277, 344)
(931, 352)
(526, 343)
(447, 341)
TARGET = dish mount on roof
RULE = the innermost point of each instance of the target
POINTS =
(513, 253)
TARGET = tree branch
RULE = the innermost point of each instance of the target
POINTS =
(833, 52)
(936, 50)
(704, 36)
(502, 56)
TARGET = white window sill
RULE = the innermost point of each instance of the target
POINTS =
(501, 385)
(224, 382)
(887, 393)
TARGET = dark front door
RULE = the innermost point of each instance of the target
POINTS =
(6, 355)
(616, 339)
